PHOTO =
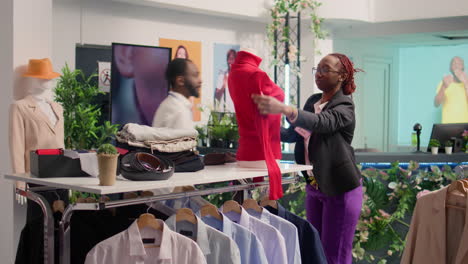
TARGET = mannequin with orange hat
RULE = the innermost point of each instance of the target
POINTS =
(36, 122)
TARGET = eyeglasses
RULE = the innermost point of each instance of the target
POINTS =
(316, 70)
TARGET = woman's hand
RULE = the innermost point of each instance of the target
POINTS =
(269, 105)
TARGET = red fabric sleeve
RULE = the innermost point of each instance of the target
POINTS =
(265, 87)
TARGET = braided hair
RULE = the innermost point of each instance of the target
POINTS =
(348, 86)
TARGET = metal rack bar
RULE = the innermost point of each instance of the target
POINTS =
(48, 223)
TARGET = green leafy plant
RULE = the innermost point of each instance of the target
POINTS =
(107, 149)
(280, 30)
(201, 132)
(448, 143)
(76, 93)
(222, 127)
(388, 202)
(434, 143)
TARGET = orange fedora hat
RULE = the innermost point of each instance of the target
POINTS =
(41, 69)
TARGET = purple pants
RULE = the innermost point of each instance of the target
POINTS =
(335, 218)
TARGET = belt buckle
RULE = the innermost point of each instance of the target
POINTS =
(313, 182)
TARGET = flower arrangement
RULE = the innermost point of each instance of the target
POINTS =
(465, 135)
(465, 139)
(278, 27)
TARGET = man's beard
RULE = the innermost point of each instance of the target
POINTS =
(193, 90)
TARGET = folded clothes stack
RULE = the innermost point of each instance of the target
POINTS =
(176, 145)
(162, 139)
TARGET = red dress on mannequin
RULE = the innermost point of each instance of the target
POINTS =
(259, 135)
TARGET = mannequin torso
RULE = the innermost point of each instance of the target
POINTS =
(36, 122)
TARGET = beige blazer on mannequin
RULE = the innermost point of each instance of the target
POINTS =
(438, 234)
(31, 129)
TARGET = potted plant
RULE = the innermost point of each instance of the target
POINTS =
(107, 161)
(201, 135)
(77, 94)
(218, 129)
(218, 136)
(448, 147)
(434, 144)
(233, 136)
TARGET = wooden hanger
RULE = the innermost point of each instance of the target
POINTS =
(148, 220)
(185, 214)
(252, 204)
(465, 183)
(231, 206)
(457, 187)
(146, 194)
(186, 188)
(210, 209)
(267, 202)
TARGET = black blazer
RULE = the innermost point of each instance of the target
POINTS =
(330, 151)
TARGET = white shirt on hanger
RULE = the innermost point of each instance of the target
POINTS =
(127, 247)
(287, 229)
(272, 240)
(174, 112)
(216, 246)
(251, 249)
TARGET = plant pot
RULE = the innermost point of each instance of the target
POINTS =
(448, 150)
(107, 169)
(218, 143)
(434, 150)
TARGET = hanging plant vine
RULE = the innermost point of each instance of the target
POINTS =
(278, 27)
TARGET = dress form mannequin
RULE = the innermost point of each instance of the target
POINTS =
(36, 122)
(256, 164)
(259, 135)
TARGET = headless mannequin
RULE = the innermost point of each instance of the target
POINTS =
(256, 164)
(36, 122)
(41, 91)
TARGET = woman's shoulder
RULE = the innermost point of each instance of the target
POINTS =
(314, 98)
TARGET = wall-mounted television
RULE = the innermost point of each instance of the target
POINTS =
(138, 83)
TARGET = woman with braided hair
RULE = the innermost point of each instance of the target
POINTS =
(323, 133)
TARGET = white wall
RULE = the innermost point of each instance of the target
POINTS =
(361, 10)
(358, 10)
(6, 75)
(246, 9)
(396, 10)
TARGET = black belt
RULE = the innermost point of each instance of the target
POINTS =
(142, 166)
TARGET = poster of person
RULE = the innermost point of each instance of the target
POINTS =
(223, 56)
(187, 50)
(104, 71)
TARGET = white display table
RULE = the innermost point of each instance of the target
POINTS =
(211, 174)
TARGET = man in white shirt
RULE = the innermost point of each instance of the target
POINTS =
(176, 110)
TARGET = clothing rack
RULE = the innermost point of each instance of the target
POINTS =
(211, 174)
